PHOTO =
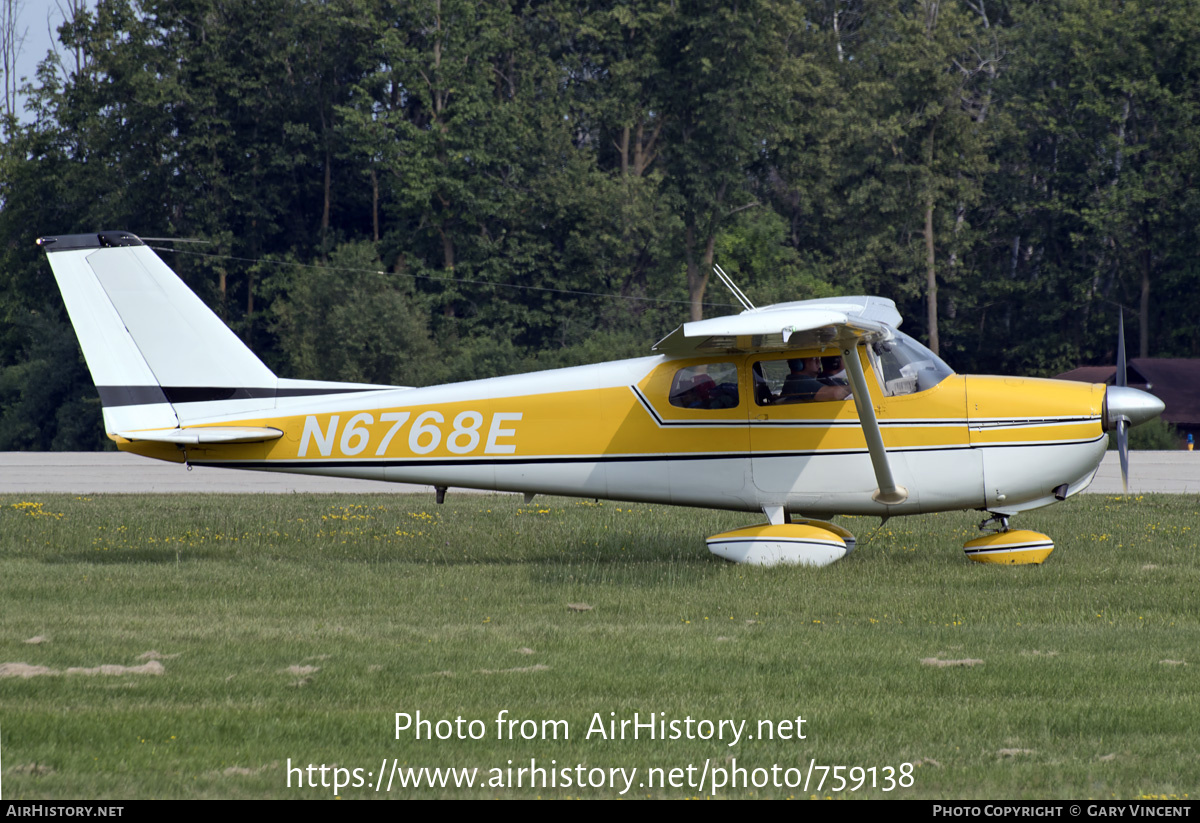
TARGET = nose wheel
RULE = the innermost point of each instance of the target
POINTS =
(1011, 547)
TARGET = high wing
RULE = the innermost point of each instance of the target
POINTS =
(828, 321)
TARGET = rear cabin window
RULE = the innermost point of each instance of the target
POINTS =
(708, 386)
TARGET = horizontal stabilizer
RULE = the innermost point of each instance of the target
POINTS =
(206, 435)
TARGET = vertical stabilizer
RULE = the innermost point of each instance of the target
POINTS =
(149, 342)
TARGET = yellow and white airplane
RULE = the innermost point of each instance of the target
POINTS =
(730, 413)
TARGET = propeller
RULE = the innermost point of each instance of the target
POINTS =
(1125, 407)
(1123, 421)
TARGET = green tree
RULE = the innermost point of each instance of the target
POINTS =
(720, 102)
(921, 80)
(349, 320)
(95, 155)
(1095, 202)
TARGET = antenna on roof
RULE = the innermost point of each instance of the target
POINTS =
(733, 289)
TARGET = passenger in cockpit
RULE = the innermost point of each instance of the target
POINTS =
(833, 371)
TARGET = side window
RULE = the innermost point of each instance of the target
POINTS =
(799, 380)
(707, 386)
(768, 380)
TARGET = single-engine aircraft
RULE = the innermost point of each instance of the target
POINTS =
(746, 412)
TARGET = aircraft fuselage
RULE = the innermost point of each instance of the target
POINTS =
(612, 431)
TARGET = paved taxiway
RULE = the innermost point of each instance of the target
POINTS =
(119, 473)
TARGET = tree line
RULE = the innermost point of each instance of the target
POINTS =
(434, 190)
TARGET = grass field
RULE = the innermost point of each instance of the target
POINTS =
(255, 630)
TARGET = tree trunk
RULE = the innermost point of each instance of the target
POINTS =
(1144, 305)
(643, 148)
(10, 51)
(447, 248)
(931, 308)
(375, 204)
(837, 34)
(328, 184)
(930, 277)
(697, 271)
(249, 307)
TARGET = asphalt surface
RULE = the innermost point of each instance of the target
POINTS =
(1175, 472)
(121, 473)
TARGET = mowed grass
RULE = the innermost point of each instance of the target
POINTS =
(296, 627)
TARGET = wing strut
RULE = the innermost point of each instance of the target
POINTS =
(888, 492)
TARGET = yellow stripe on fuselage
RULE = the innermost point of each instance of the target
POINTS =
(639, 421)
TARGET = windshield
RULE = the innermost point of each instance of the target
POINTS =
(906, 367)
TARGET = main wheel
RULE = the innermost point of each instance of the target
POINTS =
(796, 544)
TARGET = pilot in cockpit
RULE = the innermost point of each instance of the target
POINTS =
(807, 381)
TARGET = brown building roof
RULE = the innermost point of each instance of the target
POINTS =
(1175, 381)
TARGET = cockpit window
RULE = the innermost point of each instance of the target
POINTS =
(907, 367)
(707, 386)
(803, 379)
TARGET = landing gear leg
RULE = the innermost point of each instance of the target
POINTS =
(995, 523)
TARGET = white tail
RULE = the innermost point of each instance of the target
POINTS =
(150, 343)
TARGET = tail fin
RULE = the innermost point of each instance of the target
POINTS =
(149, 342)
